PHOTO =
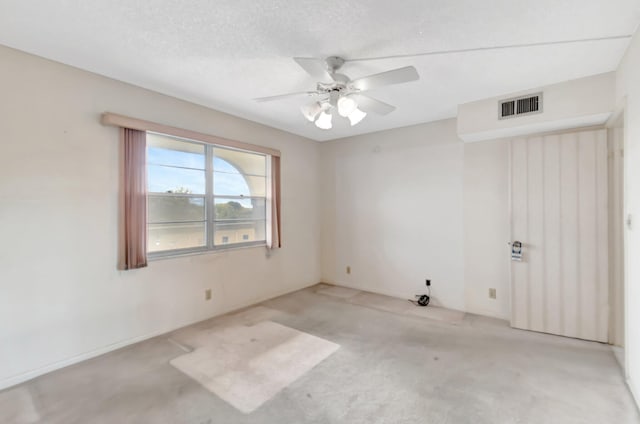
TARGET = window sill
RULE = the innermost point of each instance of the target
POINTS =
(152, 257)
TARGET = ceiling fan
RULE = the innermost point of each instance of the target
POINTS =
(341, 94)
(346, 96)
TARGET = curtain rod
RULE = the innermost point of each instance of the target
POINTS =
(113, 119)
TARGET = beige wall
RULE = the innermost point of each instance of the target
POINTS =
(628, 97)
(61, 297)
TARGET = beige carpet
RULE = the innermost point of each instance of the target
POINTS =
(16, 407)
(384, 303)
(201, 334)
(439, 314)
(248, 365)
(341, 292)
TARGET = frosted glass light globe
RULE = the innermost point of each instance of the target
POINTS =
(346, 106)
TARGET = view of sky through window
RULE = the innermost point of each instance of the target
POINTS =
(166, 166)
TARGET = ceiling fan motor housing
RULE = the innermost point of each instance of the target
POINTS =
(334, 63)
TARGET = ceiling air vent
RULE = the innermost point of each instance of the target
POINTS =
(508, 108)
(521, 106)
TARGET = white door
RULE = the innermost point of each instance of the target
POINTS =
(559, 213)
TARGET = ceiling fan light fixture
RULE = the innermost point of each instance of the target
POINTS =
(346, 106)
(311, 111)
(356, 116)
(324, 121)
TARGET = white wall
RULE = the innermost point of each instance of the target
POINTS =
(61, 297)
(412, 203)
(392, 210)
(570, 104)
(628, 93)
(486, 227)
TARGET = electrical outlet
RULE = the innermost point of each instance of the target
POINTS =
(428, 282)
(207, 294)
(492, 293)
(348, 269)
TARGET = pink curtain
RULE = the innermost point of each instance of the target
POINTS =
(276, 240)
(135, 198)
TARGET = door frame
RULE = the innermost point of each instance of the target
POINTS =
(619, 114)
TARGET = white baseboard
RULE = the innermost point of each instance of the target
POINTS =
(634, 393)
(434, 300)
(21, 378)
(26, 376)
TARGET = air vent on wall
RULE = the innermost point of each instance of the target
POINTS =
(508, 108)
(520, 106)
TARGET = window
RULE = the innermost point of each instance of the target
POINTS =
(202, 196)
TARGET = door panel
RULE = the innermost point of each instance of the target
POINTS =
(535, 241)
(551, 235)
(569, 230)
(519, 218)
(559, 213)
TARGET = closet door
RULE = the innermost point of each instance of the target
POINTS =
(559, 214)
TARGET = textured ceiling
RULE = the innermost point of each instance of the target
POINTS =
(224, 53)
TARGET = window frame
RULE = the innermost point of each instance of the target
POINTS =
(209, 202)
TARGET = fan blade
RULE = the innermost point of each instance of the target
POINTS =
(396, 76)
(284, 96)
(317, 68)
(368, 104)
